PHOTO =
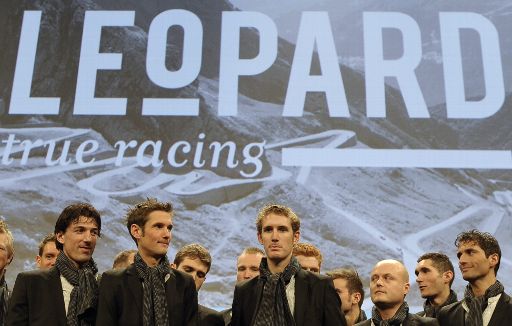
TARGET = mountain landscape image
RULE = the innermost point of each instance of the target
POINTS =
(356, 216)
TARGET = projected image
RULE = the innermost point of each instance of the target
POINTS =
(384, 127)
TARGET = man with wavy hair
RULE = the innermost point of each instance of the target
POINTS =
(148, 292)
(485, 302)
(67, 293)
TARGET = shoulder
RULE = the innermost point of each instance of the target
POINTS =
(313, 278)
(38, 274)
(418, 320)
(208, 316)
(367, 322)
(451, 308)
(246, 285)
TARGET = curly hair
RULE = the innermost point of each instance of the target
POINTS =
(484, 240)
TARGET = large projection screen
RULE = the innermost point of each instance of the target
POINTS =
(384, 124)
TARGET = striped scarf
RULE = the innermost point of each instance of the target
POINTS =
(273, 308)
(396, 320)
(154, 301)
(477, 305)
(84, 296)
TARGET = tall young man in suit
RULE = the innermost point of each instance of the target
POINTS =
(67, 293)
(148, 292)
(389, 284)
(434, 275)
(195, 260)
(284, 294)
(485, 302)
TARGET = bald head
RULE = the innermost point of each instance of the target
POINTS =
(395, 265)
(389, 284)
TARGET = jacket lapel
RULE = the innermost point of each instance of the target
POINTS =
(301, 296)
(134, 285)
(56, 294)
(252, 305)
(500, 315)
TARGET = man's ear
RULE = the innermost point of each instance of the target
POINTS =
(296, 237)
(447, 277)
(59, 236)
(493, 259)
(136, 231)
(260, 239)
(356, 298)
(173, 265)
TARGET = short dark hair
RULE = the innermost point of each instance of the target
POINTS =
(194, 251)
(48, 238)
(440, 261)
(484, 240)
(122, 257)
(278, 210)
(71, 214)
(138, 214)
(354, 283)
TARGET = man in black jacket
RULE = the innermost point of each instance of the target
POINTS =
(434, 275)
(195, 260)
(389, 284)
(485, 303)
(148, 292)
(284, 294)
(67, 293)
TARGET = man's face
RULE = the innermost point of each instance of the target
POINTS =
(194, 268)
(348, 301)
(79, 239)
(248, 267)
(472, 261)
(277, 237)
(154, 237)
(48, 257)
(388, 284)
(430, 281)
(309, 263)
(5, 258)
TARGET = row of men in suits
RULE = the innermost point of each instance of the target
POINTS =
(149, 292)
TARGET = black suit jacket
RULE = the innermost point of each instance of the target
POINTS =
(37, 299)
(316, 301)
(454, 314)
(209, 317)
(120, 300)
(411, 320)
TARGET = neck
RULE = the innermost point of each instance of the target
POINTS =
(388, 312)
(441, 297)
(352, 315)
(275, 266)
(151, 261)
(75, 264)
(480, 285)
